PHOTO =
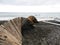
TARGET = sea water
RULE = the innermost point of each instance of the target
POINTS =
(39, 16)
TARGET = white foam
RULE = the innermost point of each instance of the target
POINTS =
(43, 19)
(6, 18)
(39, 19)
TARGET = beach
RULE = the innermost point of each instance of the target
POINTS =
(42, 34)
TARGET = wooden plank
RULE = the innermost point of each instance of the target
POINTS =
(10, 37)
(12, 29)
(17, 25)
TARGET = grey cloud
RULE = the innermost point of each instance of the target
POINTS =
(30, 2)
(7, 1)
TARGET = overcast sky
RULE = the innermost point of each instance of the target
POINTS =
(30, 2)
(40, 5)
(44, 6)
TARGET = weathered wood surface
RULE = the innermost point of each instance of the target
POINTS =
(12, 29)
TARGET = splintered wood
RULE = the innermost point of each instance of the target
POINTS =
(10, 32)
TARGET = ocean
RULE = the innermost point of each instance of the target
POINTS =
(39, 16)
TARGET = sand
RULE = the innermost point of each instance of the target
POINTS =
(42, 34)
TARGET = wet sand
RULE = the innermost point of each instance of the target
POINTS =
(54, 21)
(1, 22)
(42, 34)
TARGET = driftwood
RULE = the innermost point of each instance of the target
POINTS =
(12, 30)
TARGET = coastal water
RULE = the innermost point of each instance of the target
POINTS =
(39, 16)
